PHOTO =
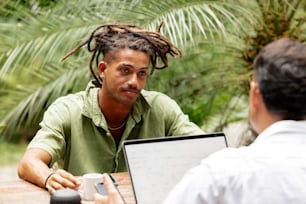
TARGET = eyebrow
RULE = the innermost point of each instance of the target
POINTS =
(131, 66)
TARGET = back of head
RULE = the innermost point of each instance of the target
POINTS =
(280, 70)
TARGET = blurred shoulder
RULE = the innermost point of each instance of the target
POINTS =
(152, 96)
(70, 101)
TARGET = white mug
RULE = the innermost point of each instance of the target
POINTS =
(89, 181)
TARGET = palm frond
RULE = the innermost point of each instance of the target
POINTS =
(211, 33)
(28, 112)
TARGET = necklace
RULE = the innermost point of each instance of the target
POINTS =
(117, 128)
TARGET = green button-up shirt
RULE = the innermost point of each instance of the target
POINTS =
(75, 131)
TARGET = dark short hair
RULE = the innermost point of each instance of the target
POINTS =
(280, 70)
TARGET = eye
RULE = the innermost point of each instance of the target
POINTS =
(142, 73)
(124, 70)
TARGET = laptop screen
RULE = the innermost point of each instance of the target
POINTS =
(156, 165)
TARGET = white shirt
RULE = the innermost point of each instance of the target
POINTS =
(271, 170)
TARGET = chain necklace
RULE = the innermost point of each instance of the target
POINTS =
(117, 128)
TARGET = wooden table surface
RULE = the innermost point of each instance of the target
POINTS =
(23, 192)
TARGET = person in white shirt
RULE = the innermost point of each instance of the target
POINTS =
(273, 168)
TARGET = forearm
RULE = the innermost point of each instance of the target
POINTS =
(33, 167)
(34, 171)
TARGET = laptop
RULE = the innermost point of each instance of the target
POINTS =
(156, 165)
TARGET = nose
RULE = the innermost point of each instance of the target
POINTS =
(133, 81)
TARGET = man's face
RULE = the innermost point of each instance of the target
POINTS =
(124, 75)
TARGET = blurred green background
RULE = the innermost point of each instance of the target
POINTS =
(219, 40)
(10, 153)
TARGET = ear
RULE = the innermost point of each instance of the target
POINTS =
(101, 68)
(255, 97)
(255, 101)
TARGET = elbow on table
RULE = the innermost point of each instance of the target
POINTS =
(21, 168)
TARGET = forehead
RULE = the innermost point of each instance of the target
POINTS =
(127, 55)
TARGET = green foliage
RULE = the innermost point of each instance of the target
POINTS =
(209, 82)
(277, 19)
(11, 153)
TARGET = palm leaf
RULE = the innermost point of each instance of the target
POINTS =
(209, 32)
(38, 43)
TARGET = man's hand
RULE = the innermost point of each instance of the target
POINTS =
(62, 179)
(112, 197)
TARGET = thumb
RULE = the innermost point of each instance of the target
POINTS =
(108, 184)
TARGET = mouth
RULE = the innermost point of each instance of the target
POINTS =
(133, 92)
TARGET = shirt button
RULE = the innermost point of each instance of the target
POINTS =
(108, 134)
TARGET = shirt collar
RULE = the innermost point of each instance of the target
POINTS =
(92, 110)
(284, 129)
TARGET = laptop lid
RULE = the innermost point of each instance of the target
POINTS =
(156, 165)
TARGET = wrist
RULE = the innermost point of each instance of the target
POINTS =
(47, 178)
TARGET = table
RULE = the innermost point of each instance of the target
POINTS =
(23, 192)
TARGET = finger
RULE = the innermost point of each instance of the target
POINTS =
(100, 199)
(108, 183)
(57, 186)
(113, 196)
(59, 181)
(68, 180)
(52, 184)
(50, 189)
(68, 176)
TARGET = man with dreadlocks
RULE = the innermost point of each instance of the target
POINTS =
(85, 130)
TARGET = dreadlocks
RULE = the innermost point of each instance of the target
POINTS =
(112, 37)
